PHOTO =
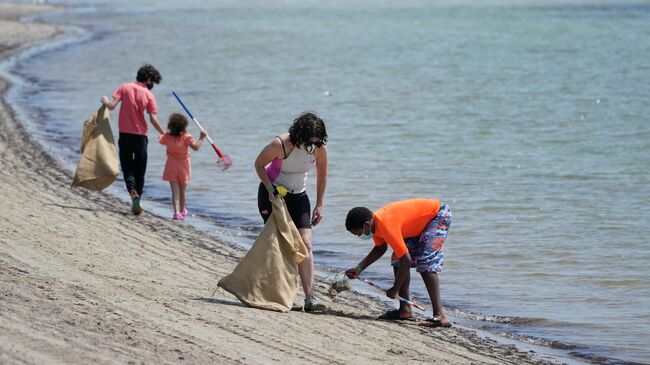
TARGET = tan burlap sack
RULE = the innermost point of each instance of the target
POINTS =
(99, 165)
(267, 277)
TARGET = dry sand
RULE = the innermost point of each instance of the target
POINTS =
(83, 281)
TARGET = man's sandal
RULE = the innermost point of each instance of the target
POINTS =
(434, 323)
(393, 315)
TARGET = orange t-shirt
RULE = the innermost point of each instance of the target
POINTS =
(403, 219)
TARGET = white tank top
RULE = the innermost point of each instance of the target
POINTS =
(293, 170)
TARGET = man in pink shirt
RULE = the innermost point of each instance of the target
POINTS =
(136, 98)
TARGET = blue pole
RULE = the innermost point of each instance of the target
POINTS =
(182, 104)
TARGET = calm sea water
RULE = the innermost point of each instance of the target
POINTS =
(531, 120)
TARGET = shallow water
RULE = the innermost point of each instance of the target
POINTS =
(530, 120)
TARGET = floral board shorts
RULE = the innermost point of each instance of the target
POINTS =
(426, 250)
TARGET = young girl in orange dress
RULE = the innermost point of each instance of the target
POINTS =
(178, 168)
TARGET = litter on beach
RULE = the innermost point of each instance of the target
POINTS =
(339, 286)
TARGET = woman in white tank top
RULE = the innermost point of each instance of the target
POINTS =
(285, 161)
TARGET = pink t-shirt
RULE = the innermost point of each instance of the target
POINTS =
(135, 99)
(177, 147)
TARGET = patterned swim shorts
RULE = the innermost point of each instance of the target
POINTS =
(426, 250)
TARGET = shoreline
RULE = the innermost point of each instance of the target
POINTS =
(84, 281)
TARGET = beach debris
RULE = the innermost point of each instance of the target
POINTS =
(327, 93)
(339, 286)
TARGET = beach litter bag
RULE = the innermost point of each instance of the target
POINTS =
(99, 166)
(267, 277)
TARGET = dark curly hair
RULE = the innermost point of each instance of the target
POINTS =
(304, 128)
(177, 124)
(148, 72)
(357, 217)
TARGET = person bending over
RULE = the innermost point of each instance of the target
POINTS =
(416, 230)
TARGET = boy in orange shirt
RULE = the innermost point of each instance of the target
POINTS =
(416, 230)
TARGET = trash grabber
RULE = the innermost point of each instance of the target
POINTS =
(410, 302)
(224, 161)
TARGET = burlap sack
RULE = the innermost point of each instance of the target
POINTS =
(267, 277)
(99, 165)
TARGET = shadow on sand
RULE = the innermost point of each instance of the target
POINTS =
(329, 312)
(116, 211)
(219, 301)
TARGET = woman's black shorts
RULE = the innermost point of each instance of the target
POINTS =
(297, 204)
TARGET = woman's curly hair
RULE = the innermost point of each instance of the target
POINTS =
(304, 128)
(177, 124)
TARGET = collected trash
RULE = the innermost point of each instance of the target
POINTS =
(267, 277)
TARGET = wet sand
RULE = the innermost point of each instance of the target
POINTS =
(83, 281)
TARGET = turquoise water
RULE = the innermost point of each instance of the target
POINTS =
(529, 119)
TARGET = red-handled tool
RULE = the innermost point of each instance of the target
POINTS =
(414, 304)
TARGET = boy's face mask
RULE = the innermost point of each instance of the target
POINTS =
(366, 236)
(150, 85)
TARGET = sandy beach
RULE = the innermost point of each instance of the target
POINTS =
(83, 281)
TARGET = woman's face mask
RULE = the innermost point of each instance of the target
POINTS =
(314, 143)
